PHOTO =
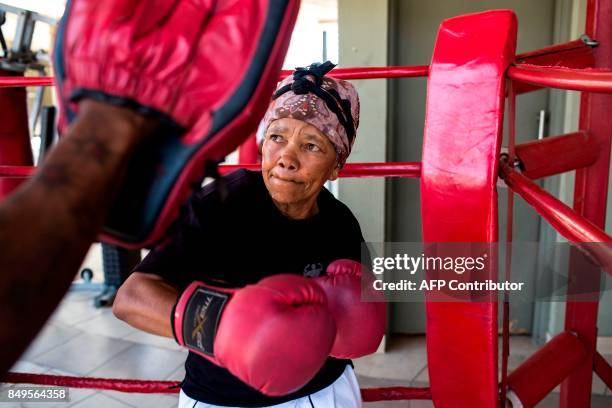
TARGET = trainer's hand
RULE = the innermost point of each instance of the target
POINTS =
(360, 324)
(274, 335)
(62, 208)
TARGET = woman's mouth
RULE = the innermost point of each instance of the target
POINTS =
(283, 180)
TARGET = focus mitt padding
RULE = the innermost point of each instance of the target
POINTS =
(204, 68)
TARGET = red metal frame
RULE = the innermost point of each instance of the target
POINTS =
(509, 237)
(590, 200)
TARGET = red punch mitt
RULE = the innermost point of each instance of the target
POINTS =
(204, 68)
(360, 324)
(274, 335)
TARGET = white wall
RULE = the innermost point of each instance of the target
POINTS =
(363, 27)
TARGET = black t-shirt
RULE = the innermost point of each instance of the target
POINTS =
(231, 232)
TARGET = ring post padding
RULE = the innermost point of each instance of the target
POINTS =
(15, 147)
(463, 133)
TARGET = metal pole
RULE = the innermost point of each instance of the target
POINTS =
(590, 196)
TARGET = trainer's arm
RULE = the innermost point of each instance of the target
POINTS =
(145, 301)
(48, 224)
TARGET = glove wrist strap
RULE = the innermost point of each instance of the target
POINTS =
(199, 312)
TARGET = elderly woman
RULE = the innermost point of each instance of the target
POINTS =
(251, 225)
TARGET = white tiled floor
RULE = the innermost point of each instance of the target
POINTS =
(83, 341)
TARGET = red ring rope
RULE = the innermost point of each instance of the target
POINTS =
(10, 82)
(401, 169)
(589, 80)
(123, 385)
(375, 72)
(572, 226)
(172, 387)
(16, 171)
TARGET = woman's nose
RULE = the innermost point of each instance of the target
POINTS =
(288, 158)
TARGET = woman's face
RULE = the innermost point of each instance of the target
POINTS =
(297, 159)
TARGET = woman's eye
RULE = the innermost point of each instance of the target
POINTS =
(276, 138)
(312, 147)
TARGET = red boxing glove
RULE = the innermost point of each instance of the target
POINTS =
(360, 325)
(204, 68)
(274, 335)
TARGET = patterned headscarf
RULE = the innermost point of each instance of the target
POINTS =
(329, 104)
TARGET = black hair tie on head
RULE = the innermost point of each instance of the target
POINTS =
(302, 85)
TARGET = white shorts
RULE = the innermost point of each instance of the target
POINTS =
(342, 393)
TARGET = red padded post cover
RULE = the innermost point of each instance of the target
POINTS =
(463, 134)
(15, 147)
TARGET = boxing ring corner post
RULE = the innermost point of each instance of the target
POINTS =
(585, 222)
(458, 197)
(590, 201)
